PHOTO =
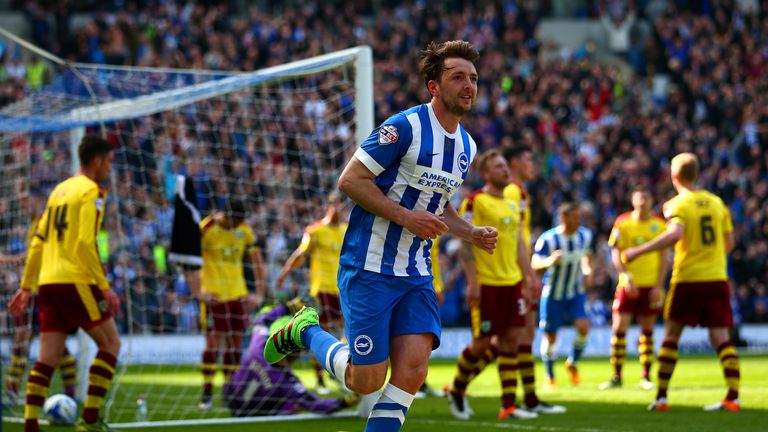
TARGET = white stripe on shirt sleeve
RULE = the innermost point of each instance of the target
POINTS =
(368, 161)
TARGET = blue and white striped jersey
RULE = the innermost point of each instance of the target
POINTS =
(419, 165)
(565, 279)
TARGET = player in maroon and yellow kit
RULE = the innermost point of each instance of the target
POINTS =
(522, 169)
(225, 240)
(497, 288)
(322, 242)
(640, 290)
(700, 227)
(26, 323)
(73, 290)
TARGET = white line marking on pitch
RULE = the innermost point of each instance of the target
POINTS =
(506, 426)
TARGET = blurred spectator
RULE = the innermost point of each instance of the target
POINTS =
(617, 24)
(597, 129)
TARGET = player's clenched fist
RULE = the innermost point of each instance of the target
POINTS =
(425, 225)
(485, 238)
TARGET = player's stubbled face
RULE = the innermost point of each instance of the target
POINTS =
(458, 85)
(497, 172)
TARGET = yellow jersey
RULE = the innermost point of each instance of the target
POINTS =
(31, 237)
(518, 194)
(483, 209)
(323, 243)
(223, 250)
(63, 250)
(434, 254)
(630, 232)
(700, 254)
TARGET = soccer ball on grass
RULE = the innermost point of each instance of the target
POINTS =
(60, 409)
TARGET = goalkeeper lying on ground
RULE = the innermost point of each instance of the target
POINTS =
(259, 389)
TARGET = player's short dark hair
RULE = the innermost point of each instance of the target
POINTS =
(516, 151)
(566, 208)
(640, 188)
(236, 208)
(92, 146)
(433, 57)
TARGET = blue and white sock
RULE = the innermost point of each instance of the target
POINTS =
(329, 352)
(578, 348)
(388, 415)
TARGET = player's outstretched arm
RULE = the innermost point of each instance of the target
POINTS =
(541, 262)
(293, 261)
(673, 233)
(357, 182)
(12, 259)
(587, 269)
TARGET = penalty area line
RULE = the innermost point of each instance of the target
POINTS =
(233, 420)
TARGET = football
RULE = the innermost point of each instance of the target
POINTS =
(60, 409)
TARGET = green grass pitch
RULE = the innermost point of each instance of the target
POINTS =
(697, 381)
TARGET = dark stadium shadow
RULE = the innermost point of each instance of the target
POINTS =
(584, 416)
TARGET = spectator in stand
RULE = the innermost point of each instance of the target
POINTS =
(591, 138)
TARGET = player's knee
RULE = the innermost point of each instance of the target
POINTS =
(410, 376)
(582, 326)
(110, 345)
(365, 383)
(366, 379)
(478, 346)
(419, 374)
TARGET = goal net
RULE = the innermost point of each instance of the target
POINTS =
(276, 138)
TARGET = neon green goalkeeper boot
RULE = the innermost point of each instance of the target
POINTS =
(287, 339)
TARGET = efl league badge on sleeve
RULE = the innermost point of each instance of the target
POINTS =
(388, 134)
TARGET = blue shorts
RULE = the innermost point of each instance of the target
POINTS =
(377, 307)
(554, 313)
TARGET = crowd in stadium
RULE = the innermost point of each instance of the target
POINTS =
(598, 128)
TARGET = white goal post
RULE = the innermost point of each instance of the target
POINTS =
(277, 137)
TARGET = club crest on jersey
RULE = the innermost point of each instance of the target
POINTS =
(388, 135)
(463, 162)
(485, 326)
(363, 345)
